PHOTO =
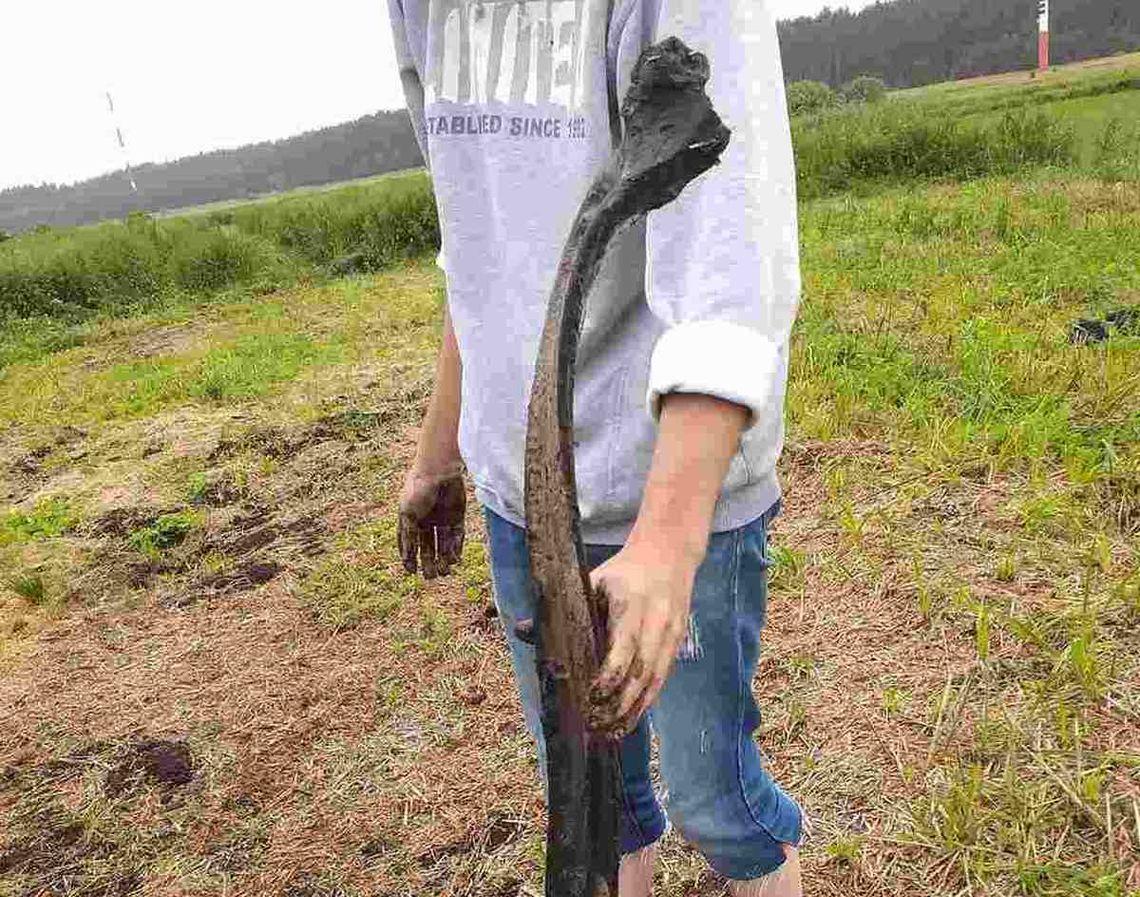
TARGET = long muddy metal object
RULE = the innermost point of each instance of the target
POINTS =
(671, 134)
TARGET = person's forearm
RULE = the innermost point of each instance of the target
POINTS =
(438, 449)
(697, 437)
(649, 582)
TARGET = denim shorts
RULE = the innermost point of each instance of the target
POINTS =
(719, 796)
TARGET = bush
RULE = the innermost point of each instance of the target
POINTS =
(897, 142)
(121, 265)
(864, 89)
(205, 261)
(1116, 154)
(378, 224)
(810, 97)
(138, 261)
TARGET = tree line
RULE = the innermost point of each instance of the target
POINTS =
(913, 42)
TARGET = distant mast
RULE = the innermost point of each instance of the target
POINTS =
(122, 143)
(1042, 35)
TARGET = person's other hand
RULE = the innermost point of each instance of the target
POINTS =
(431, 525)
(648, 594)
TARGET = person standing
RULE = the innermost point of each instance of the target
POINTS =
(681, 374)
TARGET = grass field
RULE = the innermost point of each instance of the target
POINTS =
(215, 680)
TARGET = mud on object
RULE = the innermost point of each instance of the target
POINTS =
(671, 134)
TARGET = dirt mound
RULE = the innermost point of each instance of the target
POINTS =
(497, 832)
(254, 531)
(121, 522)
(29, 470)
(242, 579)
(167, 764)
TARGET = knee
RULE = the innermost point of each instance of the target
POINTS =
(739, 839)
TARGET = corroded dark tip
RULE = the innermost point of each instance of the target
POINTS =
(672, 133)
(669, 64)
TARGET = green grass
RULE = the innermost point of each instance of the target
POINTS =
(230, 354)
(53, 282)
(1004, 94)
(949, 314)
(937, 321)
(959, 134)
(48, 518)
(167, 531)
(342, 594)
(30, 587)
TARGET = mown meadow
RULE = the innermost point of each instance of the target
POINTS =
(214, 678)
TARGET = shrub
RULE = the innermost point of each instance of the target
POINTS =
(1116, 153)
(207, 260)
(864, 89)
(135, 262)
(810, 97)
(897, 142)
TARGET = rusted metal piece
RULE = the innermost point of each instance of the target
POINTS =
(671, 135)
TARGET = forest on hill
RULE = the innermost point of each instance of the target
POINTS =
(371, 145)
(913, 42)
(906, 42)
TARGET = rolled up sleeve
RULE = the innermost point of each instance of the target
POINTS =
(722, 268)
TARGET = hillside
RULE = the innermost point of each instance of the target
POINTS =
(912, 42)
(371, 145)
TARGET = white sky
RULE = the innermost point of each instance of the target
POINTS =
(190, 77)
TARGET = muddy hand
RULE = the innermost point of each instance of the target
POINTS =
(431, 525)
(649, 599)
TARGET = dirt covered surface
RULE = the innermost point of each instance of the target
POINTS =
(215, 678)
(214, 736)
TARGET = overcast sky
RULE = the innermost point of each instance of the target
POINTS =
(190, 77)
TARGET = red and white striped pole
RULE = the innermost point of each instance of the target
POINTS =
(1042, 35)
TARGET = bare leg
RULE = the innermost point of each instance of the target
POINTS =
(784, 882)
(635, 875)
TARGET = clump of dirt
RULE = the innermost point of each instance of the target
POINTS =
(26, 472)
(261, 543)
(1124, 321)
(218, 493)
(254, 531)
(498, 832)
(120, 522)
(264, 546)
(273, 442)
(241, 579)
(167, 764)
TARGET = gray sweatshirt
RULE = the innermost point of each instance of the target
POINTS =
(510, 102)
